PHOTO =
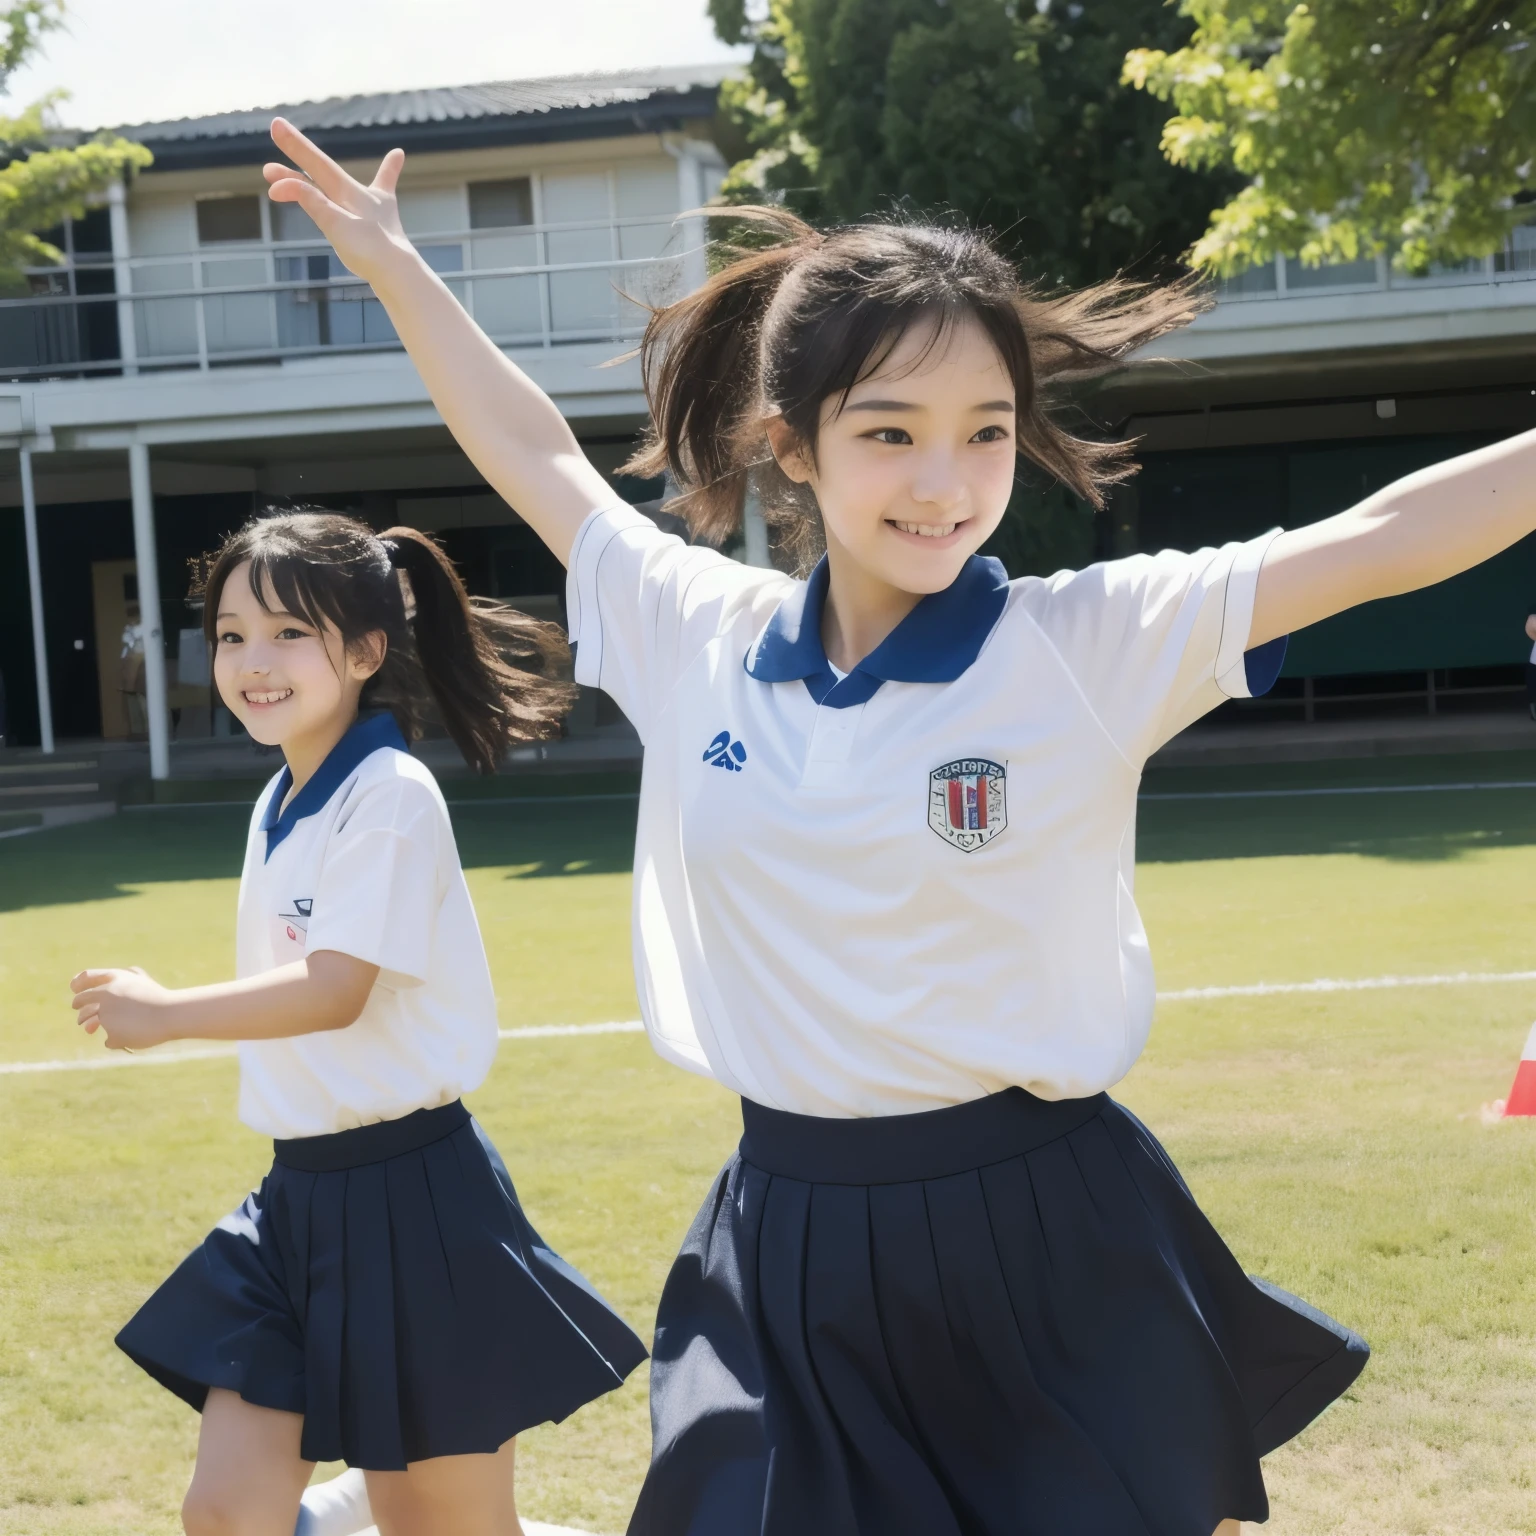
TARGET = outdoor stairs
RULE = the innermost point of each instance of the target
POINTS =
(37, 790)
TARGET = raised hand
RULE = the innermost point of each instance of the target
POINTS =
(362, 223)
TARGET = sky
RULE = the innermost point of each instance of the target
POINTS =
(133, 61)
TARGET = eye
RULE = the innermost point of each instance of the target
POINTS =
(290, 633)
(230, 637)
(895, 436)
(991, 435)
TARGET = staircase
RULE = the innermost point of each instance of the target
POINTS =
(50, 791)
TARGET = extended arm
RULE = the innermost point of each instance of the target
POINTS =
(511, 430)
(325, 990)
(1417, 531)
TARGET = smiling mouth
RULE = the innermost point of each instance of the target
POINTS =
(925, 530)
(269, 696)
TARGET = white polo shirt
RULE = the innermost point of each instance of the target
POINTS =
(363, 861)
(909, 887)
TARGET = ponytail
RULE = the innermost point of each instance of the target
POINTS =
(466, 648)
(491, 675)
(699, 359)
(782, 330)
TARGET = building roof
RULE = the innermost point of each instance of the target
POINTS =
(448, 117)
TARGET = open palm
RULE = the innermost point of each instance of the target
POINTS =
(362, 223)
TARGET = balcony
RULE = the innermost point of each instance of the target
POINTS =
(276, 301)
(1282, 315)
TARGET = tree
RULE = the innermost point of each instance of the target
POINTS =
(45, 179)
(1009, 113)
(1360, 126)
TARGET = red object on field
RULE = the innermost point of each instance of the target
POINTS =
(1522, 1097)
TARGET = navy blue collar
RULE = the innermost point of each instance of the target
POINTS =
(935, 643)
(366, 736)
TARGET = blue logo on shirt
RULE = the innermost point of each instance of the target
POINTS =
(725, 753)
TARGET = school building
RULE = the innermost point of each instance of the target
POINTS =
(199, 353)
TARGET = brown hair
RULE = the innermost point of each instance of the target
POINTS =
(781, 328)
(478, 663)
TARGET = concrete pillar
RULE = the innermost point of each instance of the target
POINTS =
(754, 532)
(122, 271)
(149, 611)
(35, 586)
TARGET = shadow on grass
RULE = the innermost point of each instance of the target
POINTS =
(99, 860)
(1413, 828)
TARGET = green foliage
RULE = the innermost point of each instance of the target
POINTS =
(44, 180)
(1362, 126)
(1007, 115)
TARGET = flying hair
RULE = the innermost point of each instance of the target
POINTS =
(488, 672)
(784, 326)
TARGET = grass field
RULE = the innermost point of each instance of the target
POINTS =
(1336, 1138)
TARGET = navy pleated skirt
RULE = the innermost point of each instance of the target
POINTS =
(1007, 1318)
(384, 1283)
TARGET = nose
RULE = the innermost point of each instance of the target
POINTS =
(254, 661)
(937, 483)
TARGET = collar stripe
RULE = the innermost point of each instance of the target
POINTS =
(935, 643)
(363, 738)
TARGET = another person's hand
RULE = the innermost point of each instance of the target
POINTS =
(127, 1005)
(362, 223)
(1530, 626)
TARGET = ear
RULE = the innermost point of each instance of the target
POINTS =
(788, 451)
(366, 656)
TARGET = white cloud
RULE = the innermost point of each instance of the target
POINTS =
(127, 61)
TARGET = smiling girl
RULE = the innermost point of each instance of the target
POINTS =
(381, 1299)
(883, 880)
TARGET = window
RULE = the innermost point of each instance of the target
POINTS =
(1333, 274)
(1519, 253)
(224, 219)
(500, 204)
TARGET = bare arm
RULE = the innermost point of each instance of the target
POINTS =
(325, 990)
(1417, 531)
(511, 430)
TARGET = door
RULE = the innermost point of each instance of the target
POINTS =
(115, 604)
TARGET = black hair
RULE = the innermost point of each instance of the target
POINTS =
(489, 671)
(781, 328)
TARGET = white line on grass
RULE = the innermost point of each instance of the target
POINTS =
(117, 1059)
(1355, 984)
(218, 1052)
(635, 1027)
(550, 1031)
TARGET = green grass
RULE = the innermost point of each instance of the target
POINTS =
(1335, 1138)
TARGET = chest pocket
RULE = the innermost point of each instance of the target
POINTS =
(290, 930)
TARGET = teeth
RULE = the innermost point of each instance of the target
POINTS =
(927, 530)
(276, 697)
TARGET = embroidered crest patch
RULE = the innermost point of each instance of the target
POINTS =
(968, 802)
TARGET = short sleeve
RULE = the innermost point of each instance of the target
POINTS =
(1156, 641)
(642, 604)
(380, 887)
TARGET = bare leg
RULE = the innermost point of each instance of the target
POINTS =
(447, 1496)
(1228, 1528)
(249, 1476)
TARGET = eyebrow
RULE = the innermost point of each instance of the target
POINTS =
(907, 405)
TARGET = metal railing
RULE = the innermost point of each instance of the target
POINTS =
(1286, 278)
(270, 301)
